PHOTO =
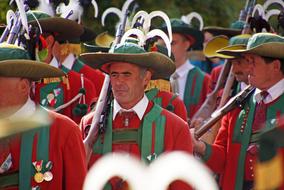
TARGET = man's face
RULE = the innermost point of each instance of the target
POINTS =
(13, 94)
(179, 47)
(241, 69)
(128, 82)
(261, 74)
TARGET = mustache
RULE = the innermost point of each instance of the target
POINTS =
(239, 73)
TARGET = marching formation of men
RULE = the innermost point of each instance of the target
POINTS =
(141, 95)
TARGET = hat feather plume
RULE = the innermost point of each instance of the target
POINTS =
(96, 8)
(45, 6)
(189, 17)
(258, 9)
(10, 16)
(119, 12)
(74, 7)
(270, 2)
(145, 34)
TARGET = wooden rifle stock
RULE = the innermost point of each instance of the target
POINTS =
(237, 101)
(101, 112)
(210, 103)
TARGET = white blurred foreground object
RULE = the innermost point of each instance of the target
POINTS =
(21, 124)
(158, 176)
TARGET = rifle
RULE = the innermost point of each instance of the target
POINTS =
(226, 78)
(16, 28)
(103, 105)
(238, 100)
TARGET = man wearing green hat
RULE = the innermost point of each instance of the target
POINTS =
(49, 157)
(240, 69)
(189, 82)
(73, 95)
(136, 125)
(234, 152)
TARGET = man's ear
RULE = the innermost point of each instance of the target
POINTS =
(148, 76)
(187, 44)
(49, 41)
(24, 86)
(277, 65)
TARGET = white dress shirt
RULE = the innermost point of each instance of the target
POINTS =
(182, 72)
(69, 61)
(54, 63)
(274, 92)
(139, 108)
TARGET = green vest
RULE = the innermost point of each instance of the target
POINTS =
(193, 88)
(142, 136)
(243, 129)
(26, 168)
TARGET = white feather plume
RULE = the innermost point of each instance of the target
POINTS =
(270, 2)
(119, 12)
(148, 18)
(10, 16)
(163, 36)
(126, 5)
(96, 8)
(46, 7)
(258, 8)
(113, 10)
(271, 13)
(189, 17)
(74, 6)
(142, 37)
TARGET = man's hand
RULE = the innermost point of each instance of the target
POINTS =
(198, 145)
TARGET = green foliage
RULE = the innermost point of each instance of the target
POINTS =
(214, 12)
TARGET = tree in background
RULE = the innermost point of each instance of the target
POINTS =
(214, 12)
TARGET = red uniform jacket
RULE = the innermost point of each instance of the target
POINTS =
(176, 137)
(64, 91)
(227, 155)
(196, 90)
(66, 152)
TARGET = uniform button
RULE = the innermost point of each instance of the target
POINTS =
(250, 168)
(252, 175)
(250, 160)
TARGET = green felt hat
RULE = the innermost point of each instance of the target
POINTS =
(63, 29)
(194, 35)
(219, 43)
(216, 31)
(14, 62)
(262, 44)
(161, 65)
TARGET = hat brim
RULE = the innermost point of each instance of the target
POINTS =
(104, 39)
(217, 43)
(161, 66)
(64, 29)
(88, 35)
(28, 69)
(272, 49)
(94, 48)
(222, 31)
